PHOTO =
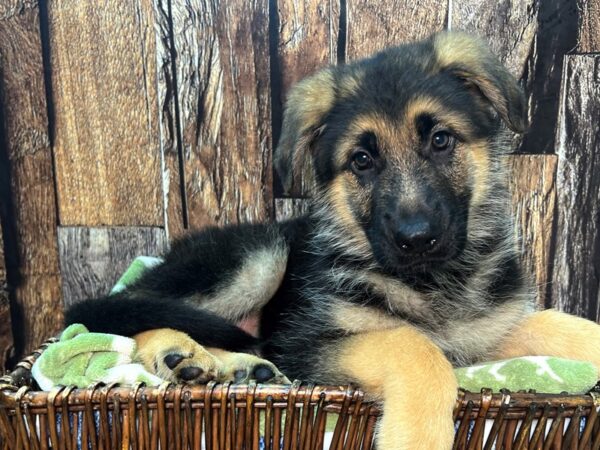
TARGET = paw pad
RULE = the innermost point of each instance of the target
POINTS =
(172, 360)
(262, 373)
(190, 373)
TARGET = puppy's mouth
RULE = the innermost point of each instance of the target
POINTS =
(392, 259)
(424, 262)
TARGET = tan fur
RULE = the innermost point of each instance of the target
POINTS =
(553, 333)
(396, 140)
(154, 345)
(360, 319)
(339, 200)
(458, 335)
(251, 287)
(478, 154)
(469, 58)
(416, 382)
(399, 296)
(470, 336)
(388, 133)
(433, 107)
(307, 105)
(232, 362)
(458, 48)
(350, 84)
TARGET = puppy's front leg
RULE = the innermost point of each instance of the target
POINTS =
(414, 379)
(553, 333)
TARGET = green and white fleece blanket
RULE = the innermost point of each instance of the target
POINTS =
(81, 358)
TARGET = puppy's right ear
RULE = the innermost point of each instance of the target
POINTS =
(306, 108)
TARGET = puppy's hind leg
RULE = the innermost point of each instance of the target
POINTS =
(413, 378)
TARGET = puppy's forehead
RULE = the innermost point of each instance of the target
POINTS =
(391, 93)
(403, 122)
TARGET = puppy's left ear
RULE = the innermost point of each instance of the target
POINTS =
(306, 108)
(469, 59)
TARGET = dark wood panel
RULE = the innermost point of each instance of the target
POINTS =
(224, 103)
(375, 25)
(556, 35)
(93, 259)
(39, 314)
(6, 339)
(532, 184)
(307, 41)
(576, 274)
(107, 152)
(34, 264)
(589, 26)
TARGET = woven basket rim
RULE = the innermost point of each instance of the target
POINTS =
(17, 388)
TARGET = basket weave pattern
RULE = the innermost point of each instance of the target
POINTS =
(252, 416)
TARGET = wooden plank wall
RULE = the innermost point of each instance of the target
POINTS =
(126, 123)
(31, 225)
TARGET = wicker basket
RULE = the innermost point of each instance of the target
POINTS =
(257, 416)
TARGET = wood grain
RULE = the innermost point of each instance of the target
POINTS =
(532, 184)
(175, 211)
(93, 259)
(34, 264)
(374, 25)
(222, 70)
(576, 272)
(288, 208)
(6, 339)
(307, 41)
(588, 39)
(508, 27)
(107, 152)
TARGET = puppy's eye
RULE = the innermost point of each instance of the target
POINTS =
(442, 140)
(361, 161)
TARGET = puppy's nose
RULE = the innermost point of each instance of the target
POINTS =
(416, 235)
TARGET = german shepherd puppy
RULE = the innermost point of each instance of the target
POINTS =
(406, 265)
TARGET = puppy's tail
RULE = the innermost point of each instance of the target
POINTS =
(118, 314)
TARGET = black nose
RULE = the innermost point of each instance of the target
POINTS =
(417, 235)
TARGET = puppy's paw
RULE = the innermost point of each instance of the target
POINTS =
(174, 356)
(243, 367)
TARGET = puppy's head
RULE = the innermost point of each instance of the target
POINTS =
(405, 146)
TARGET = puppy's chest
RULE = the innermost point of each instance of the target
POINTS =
(465, 333)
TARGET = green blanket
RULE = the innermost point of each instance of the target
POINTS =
(81, 358)
(542, 373)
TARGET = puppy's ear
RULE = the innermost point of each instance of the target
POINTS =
(469, 59)
(306, 108)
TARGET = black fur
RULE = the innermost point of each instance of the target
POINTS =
(120, 314)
